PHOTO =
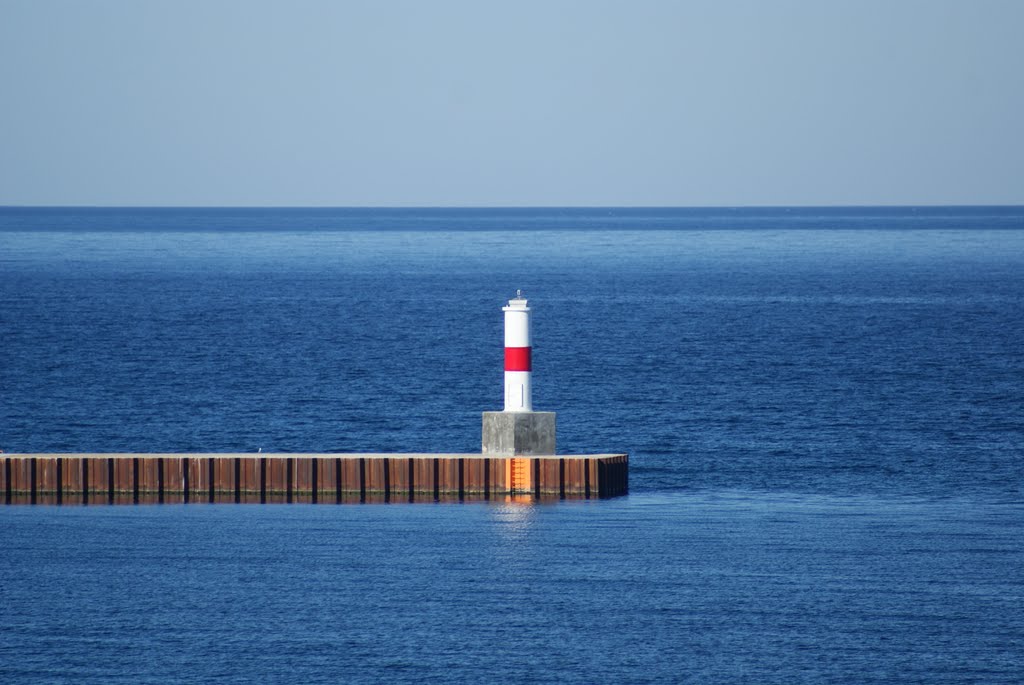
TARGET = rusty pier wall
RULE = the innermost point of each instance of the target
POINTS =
(304, 478)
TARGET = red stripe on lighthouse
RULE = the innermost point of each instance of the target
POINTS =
(517, 358)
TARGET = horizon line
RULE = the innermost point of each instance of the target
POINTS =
(522, 207)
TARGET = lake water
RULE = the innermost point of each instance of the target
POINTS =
(822, 407)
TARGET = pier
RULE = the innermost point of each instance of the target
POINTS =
(517, 459)
(306, 478)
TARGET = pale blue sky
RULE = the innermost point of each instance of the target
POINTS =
(248, 102)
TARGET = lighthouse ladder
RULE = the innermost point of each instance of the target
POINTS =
(520, 476)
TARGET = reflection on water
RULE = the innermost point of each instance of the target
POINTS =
(514, 517)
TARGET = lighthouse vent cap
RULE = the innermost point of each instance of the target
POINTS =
(517, 302)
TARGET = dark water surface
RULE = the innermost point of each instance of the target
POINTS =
(824, 411)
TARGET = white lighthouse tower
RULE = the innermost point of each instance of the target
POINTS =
(518, 430)
(518, 355)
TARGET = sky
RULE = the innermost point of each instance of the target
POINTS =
(478, 103)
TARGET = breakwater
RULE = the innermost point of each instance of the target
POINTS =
(305, 478)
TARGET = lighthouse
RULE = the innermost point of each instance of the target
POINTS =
(518, 355)
(517, 429)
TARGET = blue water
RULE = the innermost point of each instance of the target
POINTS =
(824, 410)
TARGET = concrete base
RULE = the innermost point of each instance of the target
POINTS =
(530, 433)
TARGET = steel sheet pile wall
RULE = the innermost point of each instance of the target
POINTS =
(126, 478)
